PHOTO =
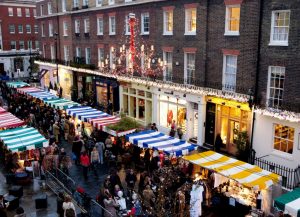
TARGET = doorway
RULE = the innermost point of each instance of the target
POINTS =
(210, 123)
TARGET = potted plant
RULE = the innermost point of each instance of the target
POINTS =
(243, 146)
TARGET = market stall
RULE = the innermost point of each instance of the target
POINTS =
(17, 84)
(8, 120)
(25, 90)
(159, 141)
(2, 110)
(240, 183)
(36, 93)
(289, 203)
(60, 103)
(85, 113)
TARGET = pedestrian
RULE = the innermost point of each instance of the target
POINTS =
(148, 196)
(153, 127)
(130, 179)
(68, 207)
(218, 143)
(179, 132)
(56, 131)
(20, 212)
(85, 163)
(59, 204)
(100, 198)
(108, 143)
(76, 149)
(110, 206)
(100, 147)
(3, 207)
(66, 128)
(95, 160)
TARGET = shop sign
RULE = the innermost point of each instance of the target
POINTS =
(230, 103)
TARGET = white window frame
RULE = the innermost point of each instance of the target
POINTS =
(167, 65)
(78, 52)
(28, 25)
(44, 50)
(143, 15)
(19, 12)
(279, 42)
(98, 3)
(10, 12)
(37, 45)
(87, 25)
(100, 25)
(42, 10)
(27, 12)
(85, 2)
(66, 53)
(226, 85)
(112, 25)
(34, 12)
(36, 29)
(20, 32)
(112, 56)
(14, 29)
(75, 3)
(280, 70)
(65, 28)
(165, 19)
(15, 45)
(49, 8)
(88, 55)
(284, 153)
(126, 1)
(29, 44)
(52, 52)
(51, 32)
(43, 29)
(63, 6)
(227, 20)
(101, 57)
(127, 27)
(23, 44)
(77, 26)
(186, 21)
(186, 77)
(111, 2)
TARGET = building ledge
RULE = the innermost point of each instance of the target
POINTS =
(279, 114)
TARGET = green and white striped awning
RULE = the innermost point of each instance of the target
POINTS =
(60, 103)
(23, 138)
(289, 202)
(17, 84)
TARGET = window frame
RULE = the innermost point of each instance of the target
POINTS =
(51, 30)
(75, 3)
(143, 32)
(85, 2)
(111, 2)
(10, 12)
(127, 27)
(112, 23)
(165, 32)
(28, 25)
(86, 56)
(167, 75)
(282, 138)
(63, 6)
(227, 19)
(276, 42)
(86, 25)
(20, 32)
(11, 42)
(23, 45)
(77, 26)
(36, 27)
(65, 29)
(66, 53)
(52, 52)
(100, 60)
(98, 25)
(13, 28)
(49, 5)
(42, 10)
(19, 12)
(34, 12)
(269, 86)
(186, 25)
(186, 78)
(225, 73)
(78, 51)
(99, 4)
(43, 30)
(27, 12)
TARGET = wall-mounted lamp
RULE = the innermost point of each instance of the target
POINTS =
(177, 63)
(184, 95)
(159, 89)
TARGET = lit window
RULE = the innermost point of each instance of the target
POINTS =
(112, 25)
(284, 138)
(190, 21)
(28, 28)
(276, 86)
(88, 55)
(49, 8)
(12, 29)
(20, 29)
(168, 22)
(10, 12)
(27, 12)
(229, 72)
(21, 45)
(280, 28)
(145, 23)
(65, 26)
(189, 68)
(100, 25)
(19, 12)
(86, 26)
(50, 29)
(168, 65)
(232, 24)
(13, 45)
(77, 26)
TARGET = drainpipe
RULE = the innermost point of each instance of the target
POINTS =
(257, 68)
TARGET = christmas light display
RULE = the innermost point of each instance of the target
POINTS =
(279, 114)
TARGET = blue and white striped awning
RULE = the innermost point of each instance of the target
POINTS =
(85, 113)
(162, 142)
(60, 103)
(23, 138)
(17, 84)
(42, 95)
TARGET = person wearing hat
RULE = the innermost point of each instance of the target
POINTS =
(3, 206)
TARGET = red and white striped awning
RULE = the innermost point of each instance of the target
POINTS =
(8, 120)
(25, 90)
(99, 123)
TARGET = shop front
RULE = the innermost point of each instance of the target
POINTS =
(136, 102)
(83, 86)
(226, 118)
(66, 82)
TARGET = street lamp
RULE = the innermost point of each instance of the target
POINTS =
(56, 59)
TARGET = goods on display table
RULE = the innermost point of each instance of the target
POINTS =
(289, 203)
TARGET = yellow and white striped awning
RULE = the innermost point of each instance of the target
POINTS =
(246, 174)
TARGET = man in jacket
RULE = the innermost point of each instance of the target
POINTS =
(56, 132)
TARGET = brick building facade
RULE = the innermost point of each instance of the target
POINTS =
(18, 32)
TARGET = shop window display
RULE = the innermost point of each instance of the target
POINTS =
(283, 138)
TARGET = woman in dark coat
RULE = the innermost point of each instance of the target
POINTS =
(76, 149)
(59, 203)
(218, 143)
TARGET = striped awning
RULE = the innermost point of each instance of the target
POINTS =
(26, 90)
(249, 175)
(289, 202)
(17, 84)
(8, 120)
(42, 95)
(85, 113)
(60, 103)
(162, 142)
(2, 110)
(102, 122)
(21, 139)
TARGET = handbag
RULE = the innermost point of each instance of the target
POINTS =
(74, 157)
